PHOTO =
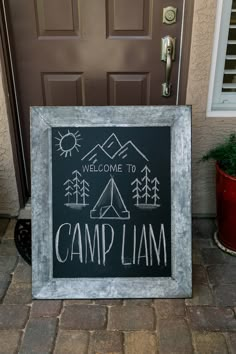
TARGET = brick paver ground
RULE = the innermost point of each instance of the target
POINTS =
(204, 324)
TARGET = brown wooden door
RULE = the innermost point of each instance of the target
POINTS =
(89, 52)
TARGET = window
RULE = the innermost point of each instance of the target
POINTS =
(222, 88)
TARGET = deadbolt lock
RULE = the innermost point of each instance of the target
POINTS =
(169, 15)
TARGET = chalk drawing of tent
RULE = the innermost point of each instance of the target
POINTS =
(110, 204)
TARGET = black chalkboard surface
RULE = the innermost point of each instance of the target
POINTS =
(111, 196)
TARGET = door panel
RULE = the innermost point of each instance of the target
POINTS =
(128, 89)
(55, 86)
(57, 17)
(129, 18)
(89, 52)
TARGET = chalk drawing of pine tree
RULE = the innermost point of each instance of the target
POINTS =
(68, 189)
(84, 191)
(137, 190)
(146, 191)
(155, 190)
(76, 191)
(76, 181)
(146, 182)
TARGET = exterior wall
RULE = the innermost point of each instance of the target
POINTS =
(9, 200)
(206, 132)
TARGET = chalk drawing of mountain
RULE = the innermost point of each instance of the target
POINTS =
(113, 149)
(129, 150)
(111, 145)
(97, 154)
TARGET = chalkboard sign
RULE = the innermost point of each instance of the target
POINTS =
(111, 202)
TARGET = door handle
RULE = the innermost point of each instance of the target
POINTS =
(167, 55)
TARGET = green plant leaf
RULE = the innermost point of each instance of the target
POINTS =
(225, 155)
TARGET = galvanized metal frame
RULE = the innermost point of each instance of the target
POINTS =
(44, 285)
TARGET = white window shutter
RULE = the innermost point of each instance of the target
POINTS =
(222, 88)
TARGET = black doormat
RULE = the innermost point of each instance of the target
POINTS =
(22, 236)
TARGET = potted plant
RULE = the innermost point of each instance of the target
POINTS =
(225, 157)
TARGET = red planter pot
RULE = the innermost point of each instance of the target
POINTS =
(226, 209)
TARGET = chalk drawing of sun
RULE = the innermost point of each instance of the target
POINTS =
(68, 142)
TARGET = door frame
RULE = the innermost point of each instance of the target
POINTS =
(13, 102)
(9, 87)
(186, 36)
